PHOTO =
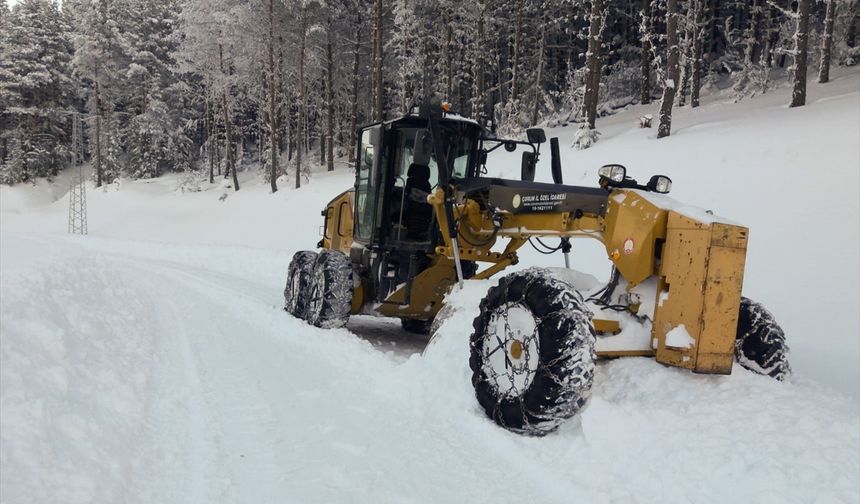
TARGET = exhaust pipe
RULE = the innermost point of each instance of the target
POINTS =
(555, 160)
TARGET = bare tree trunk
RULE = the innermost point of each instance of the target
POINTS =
(684, 64)
(273, 118)
(353, 120)
(645, 36)
(538, 86)
(378, 49)
(592, 81)
(291, 134)
(499, 96)
(228, 134)
(329, 96)
(827, 43)
(752, 33)
(228, 128)
(851, 32)
(210, 152)
(696, 63)
(261, 128)
(672, 69)
(301, 111)
(98, 107)
(479, 102)
(518, 41)
(447, 71)
(801, 43)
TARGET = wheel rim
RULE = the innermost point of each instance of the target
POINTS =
(510, 351)
(314, 306)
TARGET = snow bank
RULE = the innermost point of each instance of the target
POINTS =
(74, 379)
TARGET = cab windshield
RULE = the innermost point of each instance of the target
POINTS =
(415, 146)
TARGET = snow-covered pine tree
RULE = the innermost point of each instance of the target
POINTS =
(406, 47)
(154, 135)
(37, 89)
(102, 56)
(212, 46)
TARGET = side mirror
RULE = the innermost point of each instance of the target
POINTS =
(660, 184)
(536, 135)
(527, 171)
(614, 173)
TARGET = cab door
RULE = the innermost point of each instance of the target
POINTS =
(368, 183)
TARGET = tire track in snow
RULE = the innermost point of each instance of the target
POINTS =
(233, 408)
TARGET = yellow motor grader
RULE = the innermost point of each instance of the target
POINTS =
(423, 218)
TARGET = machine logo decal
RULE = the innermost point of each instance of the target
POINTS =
(629, 244)
(517, 200)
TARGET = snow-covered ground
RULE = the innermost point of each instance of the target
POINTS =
(151, 362)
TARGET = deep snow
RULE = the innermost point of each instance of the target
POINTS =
(150, 361)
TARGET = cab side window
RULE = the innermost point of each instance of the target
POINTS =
(365, 193)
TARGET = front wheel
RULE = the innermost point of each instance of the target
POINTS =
(532, 352)
(760, 343)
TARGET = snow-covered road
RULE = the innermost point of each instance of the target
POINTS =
(163, 378)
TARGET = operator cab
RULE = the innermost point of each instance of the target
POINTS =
(397, 169)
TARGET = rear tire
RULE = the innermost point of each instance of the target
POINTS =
(298, 281)
(532, 352)
(330, 293)
(760, 344)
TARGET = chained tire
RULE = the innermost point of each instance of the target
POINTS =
(532, 352)
(416, 326)
(298, 282)
(760, 344)
(330, 293)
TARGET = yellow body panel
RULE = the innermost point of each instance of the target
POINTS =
(702, 276)
(632, 227)
(428, 291)
(338, 223)
(602, 326)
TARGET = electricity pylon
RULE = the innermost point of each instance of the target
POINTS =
(77, 191)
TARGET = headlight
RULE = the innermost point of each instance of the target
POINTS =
(660, 184)
(613, 172)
